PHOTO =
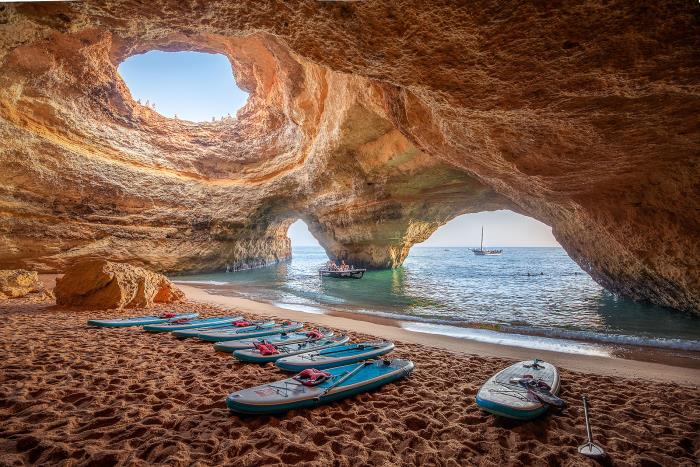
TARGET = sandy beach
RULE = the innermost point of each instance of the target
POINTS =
(73, 395)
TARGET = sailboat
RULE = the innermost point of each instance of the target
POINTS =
(482, 252)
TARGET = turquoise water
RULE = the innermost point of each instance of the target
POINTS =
(525, 292)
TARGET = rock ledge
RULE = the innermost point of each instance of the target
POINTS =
(102, 284)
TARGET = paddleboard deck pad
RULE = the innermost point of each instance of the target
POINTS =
(505, 393)
(344, 381)
(335, 356)
(231, 333)
(276, 339)
(258, 355)
(140, 320)
(177, 325)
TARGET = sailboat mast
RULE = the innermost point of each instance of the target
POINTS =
(482, 238)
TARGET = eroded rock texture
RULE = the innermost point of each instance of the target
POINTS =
(375, 122)
(18, 283)
(99, 284)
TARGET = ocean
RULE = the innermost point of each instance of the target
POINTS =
(529, 297)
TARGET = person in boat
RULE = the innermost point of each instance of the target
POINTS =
(343, 266)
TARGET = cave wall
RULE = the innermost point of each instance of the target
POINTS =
(374, 122)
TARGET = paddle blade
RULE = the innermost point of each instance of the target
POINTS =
(591, 450)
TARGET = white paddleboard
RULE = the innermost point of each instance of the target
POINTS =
(502, 396)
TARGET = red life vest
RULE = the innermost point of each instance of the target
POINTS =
(266, 348)
(312, 377)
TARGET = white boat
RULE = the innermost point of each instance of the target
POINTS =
(351, 273)
(482, 252)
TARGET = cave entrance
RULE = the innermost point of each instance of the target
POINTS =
(301, 237)
(502, 228)
(193, 86)
(533, 266)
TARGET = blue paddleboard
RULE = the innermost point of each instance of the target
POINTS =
(232, 333)
(138, 320)
(336, 356)
(286, 350)
(191, 323)
(282, 339)
(344, 381)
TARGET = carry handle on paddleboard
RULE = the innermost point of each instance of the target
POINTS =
(344, 378)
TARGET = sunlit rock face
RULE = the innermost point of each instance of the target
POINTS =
(99, 284)
(374, 122)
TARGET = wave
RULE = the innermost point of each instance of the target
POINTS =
(620, 339)
(532, 331)
(504, 338)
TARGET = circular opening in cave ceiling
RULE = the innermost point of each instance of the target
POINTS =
(193, 86)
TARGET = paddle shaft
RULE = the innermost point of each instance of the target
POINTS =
(585, 415)
(344, 378)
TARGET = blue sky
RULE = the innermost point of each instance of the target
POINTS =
(501, 228)
(198, 86)
(195, 86)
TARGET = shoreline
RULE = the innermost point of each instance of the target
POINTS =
(390, 329)
(623, 340)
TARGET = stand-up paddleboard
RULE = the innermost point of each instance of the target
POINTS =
(507, 394)
(191, 323)
(268, 352)
(240, 325)
(231, 333)
(335, 356)
(276, 339)
(299, 392)
(140, 320)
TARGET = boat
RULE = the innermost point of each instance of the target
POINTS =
(349, 273)
(239, 325)
(140, 320)
(482, 252)
(229, 334)
(283, 338)
(355, 273)
(268, 352)
(188, 323)
(314, 387)
(522, 391)
(335, 356)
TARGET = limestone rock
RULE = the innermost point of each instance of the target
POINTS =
(18, 283)
(375, 122)
(102, 284)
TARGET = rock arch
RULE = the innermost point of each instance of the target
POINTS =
(376, 123)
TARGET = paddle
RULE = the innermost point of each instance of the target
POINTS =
(345, 377)
(589, 449)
